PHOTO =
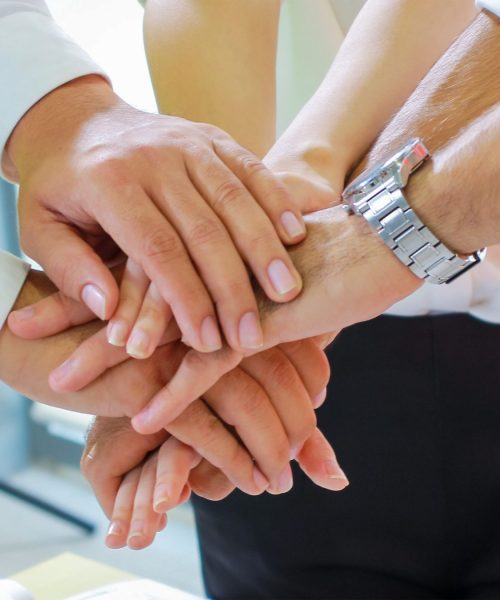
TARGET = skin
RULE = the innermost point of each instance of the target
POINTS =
(262, 423)
(342, 257)
(98, 177)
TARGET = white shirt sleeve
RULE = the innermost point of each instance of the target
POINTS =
(491, 5)
(36, 57)
(13, 273)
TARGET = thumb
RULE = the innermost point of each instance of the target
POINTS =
(72, 265)
(49, 316)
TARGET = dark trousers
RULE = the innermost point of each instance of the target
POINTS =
(413, 412)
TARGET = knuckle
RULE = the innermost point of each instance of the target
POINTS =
(227, 193)
(109, 171)
(252, 166)
(162, 245)
(280, 371)
(252, 400)
(206, 231)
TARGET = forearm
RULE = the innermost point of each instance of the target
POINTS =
(215, 62)
(349, 273)
(390, 47)
(455, 110)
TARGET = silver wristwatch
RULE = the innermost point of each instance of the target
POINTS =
(377, 196)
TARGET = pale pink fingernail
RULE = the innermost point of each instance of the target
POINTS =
(117, 333)
(281, 278)
(259, 479)
(210, 336)
(337, 477)
(115, 528)
(24, 314)
(137, 532)
(251, 336)
(63, 371)
(292, 225)
(95, 299)
(138, 344)
(284, 482)
(162, 496)
(318, 400)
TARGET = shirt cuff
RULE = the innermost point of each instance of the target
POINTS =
(13, 273)
(37, 57)
(491, 5)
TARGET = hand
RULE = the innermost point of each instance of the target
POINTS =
(273, 412)
(138, 491)
(182, 199)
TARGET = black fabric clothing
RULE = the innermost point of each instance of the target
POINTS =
(413, 412)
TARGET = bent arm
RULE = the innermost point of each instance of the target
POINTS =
(349, 273)
(390, 47)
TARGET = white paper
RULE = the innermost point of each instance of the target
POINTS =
(11, 590)
(139, 589)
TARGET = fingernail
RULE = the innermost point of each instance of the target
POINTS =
(163, 495)
(281, 278)
(63, 370)
(90, 454)
(284, 482)
(117, 333)
(337, 477)
(210, 336)
(95, 299)
(292, 225)
(24, 314)
(138, 344)
(251, 335)
(136, 530)
(260, 479)
(115, 528)
(318, 400)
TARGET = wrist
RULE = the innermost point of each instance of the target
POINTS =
(441, 200)
(57, 117)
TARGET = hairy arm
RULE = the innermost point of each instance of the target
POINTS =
(455, 110)
(349, 273)
(390, 47)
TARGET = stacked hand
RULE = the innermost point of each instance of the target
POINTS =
(268, 399)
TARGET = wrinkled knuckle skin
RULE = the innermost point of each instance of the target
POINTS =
(162, 246)
(281, 372)
(252, 166)
(226, 195)
(205, 231)
(251, 401)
